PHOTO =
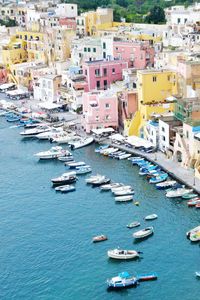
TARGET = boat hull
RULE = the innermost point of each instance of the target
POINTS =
(63, 182)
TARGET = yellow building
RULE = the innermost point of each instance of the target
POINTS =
(14, 53)
(155, 87)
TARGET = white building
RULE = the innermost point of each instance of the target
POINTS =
(67, 10)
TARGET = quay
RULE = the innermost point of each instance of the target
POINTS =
(185, 176)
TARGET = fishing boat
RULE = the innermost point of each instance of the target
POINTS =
(151, 217)
(101, 181)
(102, 147)
(158, 179)
(166, 184)
(143, 233)
(99, 238)
(93, 178)
(73, 165)
(35, 131)
(81, 143)
(189, 196)
(123, 254)
(52, 153)
(123, 280)
(67, 189)
(178, 192)
(133, 225)
(147, 277)
(124, 198)
(193, 232)
(64, 179)
(124, 192)
(107, 187)
(83, 170)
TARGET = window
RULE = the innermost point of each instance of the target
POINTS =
(104, 54)
(163, 129)
(113, 71)
(168, 77)
(97, 118)
(82, 22)
(163, 138)
(105, 83)
(94, 50)
(72, 7)
(85, 49)
(187, 134)
(107, 117)
(107, 105)
(88, 49)
(97, 72)
(86, 72)
(77, 22)
(104, 45)
(98, 85)
(154, 78)
(104, 72)
(178, 20)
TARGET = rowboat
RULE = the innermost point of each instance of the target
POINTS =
(151, 217)
(133, 224)
(147, 277)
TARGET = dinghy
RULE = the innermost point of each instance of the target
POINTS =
(151, 217)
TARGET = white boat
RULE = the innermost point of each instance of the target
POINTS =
(66, 138)
(94, 178)
(143, 233)
(194, 234)
(124, 192)
(73, 165)
(133, 224)
(124, 198)
(52, 153)
(54, 132)
(107, 187)
(121, 188)
(178, 192)
(151, 217)
(81, 143)
(35, 131)
(123, 254)
(83, 170)
(124, 156)
(66, 158)
(109, 151)
(64, 179)
(197, 274)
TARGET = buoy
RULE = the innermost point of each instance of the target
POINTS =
(137, 203)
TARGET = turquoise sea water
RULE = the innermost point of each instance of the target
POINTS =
(46, 251)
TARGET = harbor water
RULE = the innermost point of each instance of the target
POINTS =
(46, 251)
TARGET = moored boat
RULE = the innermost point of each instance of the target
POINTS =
(143, 233)
(133, 224)
(83, 170)
(93, 178)
(107, 187)
(147, 277)
(151, 217)
(35, 131)
(66, 158)
(52, 153)
(193, 202)
(67, 189)
(124, 192)
(64, 179)
(99, 238)
(102, 147)
(123, 254)
(101, 181)
(178, 192)
(166, 184)
(193, 232)
(81, 143)
(73, 165)
(159, 178)
(124, 198)
(189, 196)
(123, 280)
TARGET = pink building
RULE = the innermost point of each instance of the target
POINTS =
(69, 22)
(127, 105)
(100, 110)
(101, 73)
(138, 54)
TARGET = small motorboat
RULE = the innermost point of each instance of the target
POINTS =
(83, 170)
(151, 217)
(166, 184)
(123, 280)
(178, 192)
(67, 189)
(60, 187)
(64, 179)
(193, 202)
(108, 187)
(12, 118)
(197, 274)
(121, 188)
(101, 181)
(52, 153)
(123, 254)
(99, 238)
(65, 138)
(159, 178)
(189, 196)
(108, 151)
(35, 131)
(133, 225)
(93, 178)
(143, 233)
(124, 192)
(124, 198)
(194, 234)
(54, 132)
(81, 143)
(136, 160)
(73, 165)
(102, 147)
(147, 277)
(124, 156)
(67, 158)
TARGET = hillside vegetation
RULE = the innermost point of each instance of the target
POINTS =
(131, 10)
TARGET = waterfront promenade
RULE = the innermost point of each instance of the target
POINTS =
(186, 176)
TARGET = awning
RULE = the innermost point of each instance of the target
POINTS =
(49, 105)
(139, 142)
(6, 86)
(100, 131)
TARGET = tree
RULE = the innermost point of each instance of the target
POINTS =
(156, 15)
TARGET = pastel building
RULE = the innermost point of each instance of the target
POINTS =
(100, 110)
(100, 74)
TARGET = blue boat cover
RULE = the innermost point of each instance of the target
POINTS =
(124, 275)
